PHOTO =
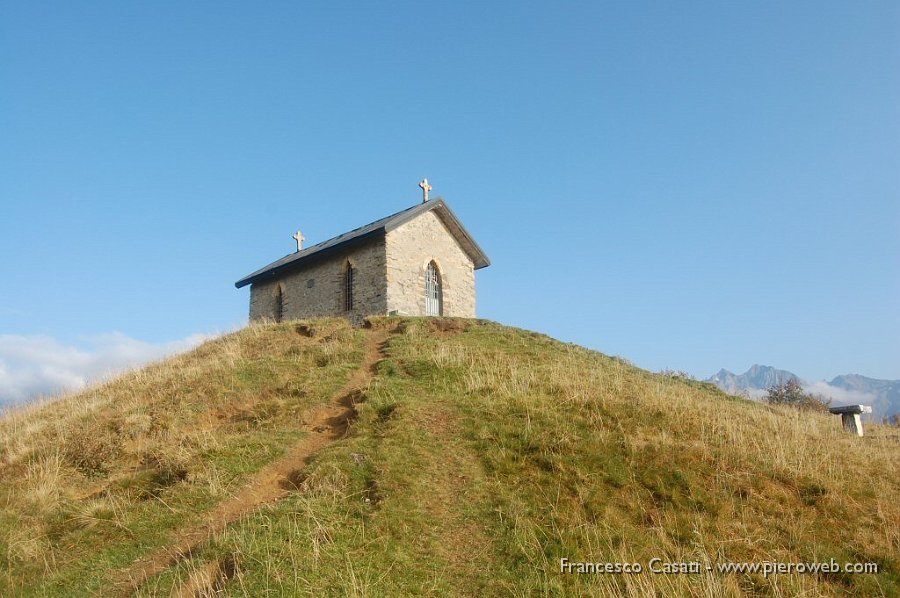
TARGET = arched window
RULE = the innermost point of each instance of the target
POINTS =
(349, 272)
(279, 304)
(434, 299)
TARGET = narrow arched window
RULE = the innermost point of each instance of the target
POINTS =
(434, 299)
(349, 273)
(279, 304)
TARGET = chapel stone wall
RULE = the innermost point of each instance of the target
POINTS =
(409, 249)
(318, 289)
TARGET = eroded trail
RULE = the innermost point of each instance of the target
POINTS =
(326, 423)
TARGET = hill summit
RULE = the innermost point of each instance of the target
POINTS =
(434, 456)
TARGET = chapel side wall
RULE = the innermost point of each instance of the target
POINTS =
(409, 249)
(326, 296)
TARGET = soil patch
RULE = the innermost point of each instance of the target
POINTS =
(448, 326)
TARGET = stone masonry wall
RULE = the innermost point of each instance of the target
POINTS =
(324, 296)
(410, 248)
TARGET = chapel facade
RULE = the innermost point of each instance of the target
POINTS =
(418, 262)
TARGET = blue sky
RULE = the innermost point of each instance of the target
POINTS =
(688, 185)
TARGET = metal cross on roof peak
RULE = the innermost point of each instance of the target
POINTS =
(425, 189)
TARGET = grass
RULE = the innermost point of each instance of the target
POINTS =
(93, 481)
(481, 456)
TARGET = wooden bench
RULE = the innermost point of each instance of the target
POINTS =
(850, 417)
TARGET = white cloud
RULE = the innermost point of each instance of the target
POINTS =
(32, 366)
(839, 396)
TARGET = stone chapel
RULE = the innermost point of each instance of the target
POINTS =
(418, 262)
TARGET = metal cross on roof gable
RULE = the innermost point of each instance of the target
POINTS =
(425, 189)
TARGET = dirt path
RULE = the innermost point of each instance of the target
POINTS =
(326, 423)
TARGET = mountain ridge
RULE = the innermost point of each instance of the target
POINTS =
(882, 395)
(756, 378)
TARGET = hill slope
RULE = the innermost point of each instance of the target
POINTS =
(437, 457)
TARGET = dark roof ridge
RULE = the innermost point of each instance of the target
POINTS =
(381, 226)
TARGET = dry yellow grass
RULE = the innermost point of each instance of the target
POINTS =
(481, 456)
(148, 448)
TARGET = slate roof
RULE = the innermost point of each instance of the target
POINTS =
(372, 230)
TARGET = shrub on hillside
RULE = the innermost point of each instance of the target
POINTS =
(792, 394)
(91, 450)
(677, 374)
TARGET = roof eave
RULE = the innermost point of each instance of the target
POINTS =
(479, 257)
(271, 272)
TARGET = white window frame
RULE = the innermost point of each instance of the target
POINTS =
(434, 292)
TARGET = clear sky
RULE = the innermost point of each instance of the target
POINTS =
(689, 185)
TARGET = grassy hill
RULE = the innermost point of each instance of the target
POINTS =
(430, 457)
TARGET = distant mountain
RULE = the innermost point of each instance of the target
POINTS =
(754, 382)
(885, 393)
(882, 395)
